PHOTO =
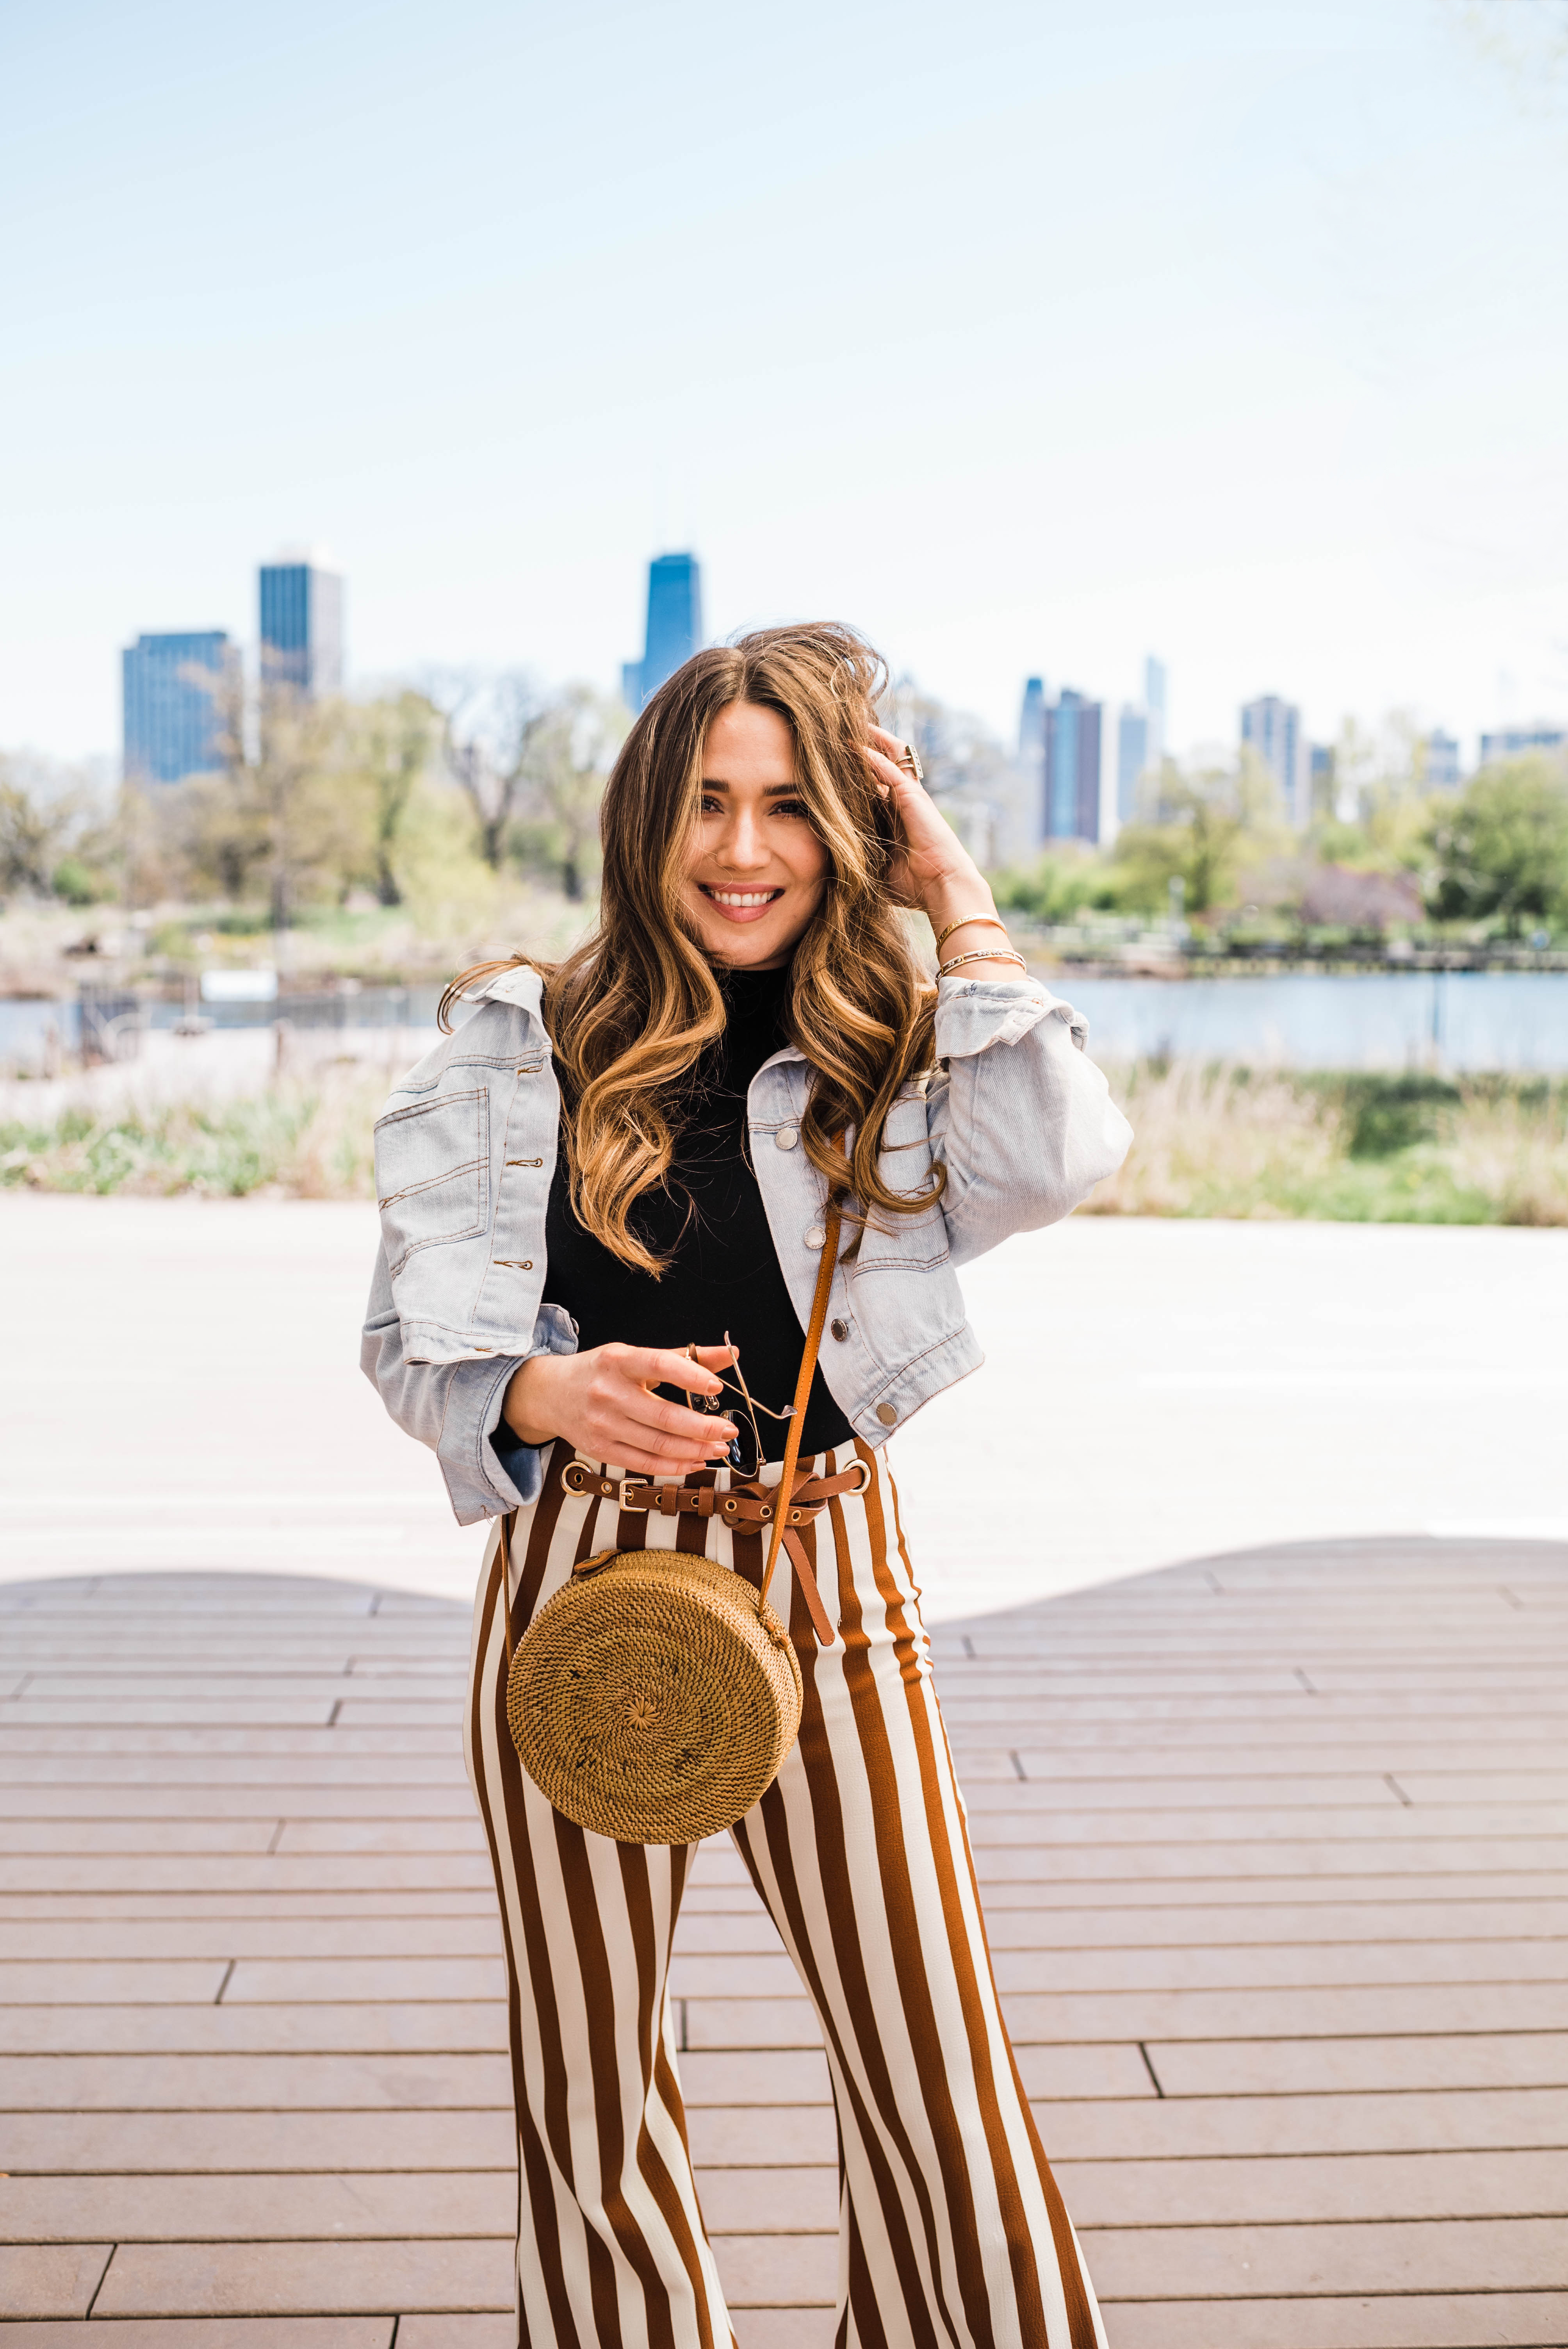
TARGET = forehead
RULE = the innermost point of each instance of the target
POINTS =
(748, 744)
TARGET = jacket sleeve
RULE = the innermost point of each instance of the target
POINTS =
(1018, 1112)
(455, 1407)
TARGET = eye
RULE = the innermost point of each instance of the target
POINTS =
(708, 804)
(791, 807)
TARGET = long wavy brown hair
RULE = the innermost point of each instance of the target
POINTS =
(630, 1011)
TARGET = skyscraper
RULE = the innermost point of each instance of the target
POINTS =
(171, 718)
(1440, 761)
(674, 629)
(1272, 728)
(1513, 741)
(1134, 729)
(302, 627)
(1032, 723)
(1154, 703)
(1072, 767)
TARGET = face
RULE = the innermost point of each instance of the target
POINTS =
(756, 869)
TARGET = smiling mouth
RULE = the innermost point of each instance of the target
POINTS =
(739, 904)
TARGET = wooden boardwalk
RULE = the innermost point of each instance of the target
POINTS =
(1273, 1848)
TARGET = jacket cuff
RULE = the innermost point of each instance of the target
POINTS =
(481, 1482)
(974, 1015)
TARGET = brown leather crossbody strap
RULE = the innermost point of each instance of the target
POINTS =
(802, 1392)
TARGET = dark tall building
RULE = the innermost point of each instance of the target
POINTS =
(1072, 767)
(301, 627)
(171, 718)
(673, 629)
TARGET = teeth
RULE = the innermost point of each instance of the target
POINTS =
(742, 896)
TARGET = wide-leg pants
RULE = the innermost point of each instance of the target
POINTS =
(951, 2228)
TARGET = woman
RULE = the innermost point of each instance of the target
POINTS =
(604, 1201)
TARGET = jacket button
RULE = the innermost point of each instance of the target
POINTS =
(816, 1237)
(786, 1137)
(840, 1328)
(887, 1414)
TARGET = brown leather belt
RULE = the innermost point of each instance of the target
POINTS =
(748, 1506)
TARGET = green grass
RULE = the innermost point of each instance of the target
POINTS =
(308, 1142)
(1210, 1141)
(1229, 1142)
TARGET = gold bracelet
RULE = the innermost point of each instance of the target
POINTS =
(970, 921)
(999, 955)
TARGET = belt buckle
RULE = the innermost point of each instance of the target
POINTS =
(623, 1490)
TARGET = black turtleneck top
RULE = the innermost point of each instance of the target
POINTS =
(708, 1222)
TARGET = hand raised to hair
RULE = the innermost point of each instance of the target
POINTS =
(931, 867)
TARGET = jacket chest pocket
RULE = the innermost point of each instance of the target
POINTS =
(906, 1243)
(432, 1174)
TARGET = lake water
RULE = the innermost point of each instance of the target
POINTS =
(1460, 1021)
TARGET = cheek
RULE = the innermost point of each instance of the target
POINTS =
(806, 856)
(699, 842)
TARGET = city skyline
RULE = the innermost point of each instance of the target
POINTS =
(1308, 437)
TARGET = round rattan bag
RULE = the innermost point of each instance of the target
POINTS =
(654, 1697)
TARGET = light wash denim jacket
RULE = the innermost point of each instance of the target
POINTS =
(465, 1150)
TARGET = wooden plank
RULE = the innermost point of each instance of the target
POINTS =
(778, 2270)
(280, 1872)
(1353, 2188)
(279, 2279)
(1415, 2121)
(150, 1983)
(1482, 2320)
(182, 2084)
(271, 1798)
(736, 2137)
(1257, 2067)
(265, 1979)
(374, 1936)
(419, 2027)
(106, 2144)
(22, 1740)
(134, 1837)
(297, 2206)
(49, 2279)
(226, 2333)
(1519, 1929)
(1223, 2262)
(1305, 2017)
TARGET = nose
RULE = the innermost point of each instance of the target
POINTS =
(743, 848)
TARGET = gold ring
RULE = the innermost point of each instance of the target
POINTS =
(910, 762)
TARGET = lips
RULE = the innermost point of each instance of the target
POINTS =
(739, 904)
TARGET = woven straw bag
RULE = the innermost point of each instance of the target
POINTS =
(655, 1696)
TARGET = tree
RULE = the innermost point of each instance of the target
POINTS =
(489, 726)
(568, 763)
(1203, 816)
(394, 745)
(290, 803)
(33, 834)
(1501, 849)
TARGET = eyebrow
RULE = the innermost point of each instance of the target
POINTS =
(770, 791)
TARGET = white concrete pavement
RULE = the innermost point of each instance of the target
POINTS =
(179, 1388)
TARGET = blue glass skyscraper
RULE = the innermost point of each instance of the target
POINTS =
(1072, 767)
(171, 719)
(675, 626)
(301, 627)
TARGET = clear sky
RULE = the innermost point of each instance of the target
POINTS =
(1027, 336)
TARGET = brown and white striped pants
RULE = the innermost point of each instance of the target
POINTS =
(952, 2230)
